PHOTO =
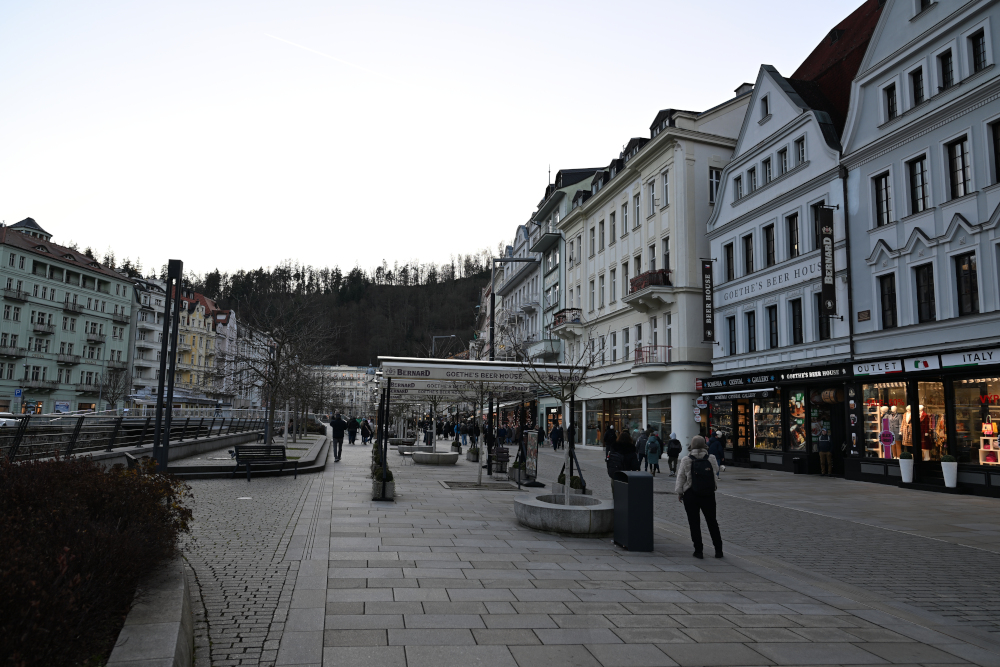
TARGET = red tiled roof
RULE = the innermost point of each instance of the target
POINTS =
(54, 252)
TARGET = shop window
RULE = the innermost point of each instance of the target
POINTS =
(977, 421)
(721, 419)
(888, 426)
(933, 425)
(967, 282)
(797, 420)
(767, 424)
(658, 415)
(823, 405)
(926, 308)
(887, 290)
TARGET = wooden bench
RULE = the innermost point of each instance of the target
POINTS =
(255, 454)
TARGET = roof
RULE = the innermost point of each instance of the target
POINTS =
(833, 64)
(54, 252)
(29, 223)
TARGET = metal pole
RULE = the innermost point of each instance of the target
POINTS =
(175, 327)
(284, 434)
(385, 445)
(175, 268)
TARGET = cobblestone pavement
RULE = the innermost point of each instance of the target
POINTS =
(920, 548)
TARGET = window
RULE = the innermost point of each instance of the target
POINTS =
(614, 347)
(624, 279)
(889, 93)
(918, 185)
(666, 253)
(579, 245)
(652, 197)
(917, 85)
(638, 335)
(611, 229)
(887, 290)
(637, 265)
(600, 236)
(624, 219)
(765, 107)
(883, 200)
(748, 254)
(613, 291)
(730, 264)
(10, 261)
(795, 306)
(946, 68)
(800, 151)
(737, 187)
(637, 200)
(977, 44)
(995, 135)
(765, 168)
(822, 321)
(20, 262)
(591, 295)
(751, 331)
(670, 329)
(967, 281)
(958, 168)
(772, 327)
(666, 188)
(783, 161)
(593, 241)
(654, 336)
(926, 309)
(714, 181)
(924, 4)
(652, 257)
(769, 245)
(751, 179)
(571, 255)
(625, 344)
(731, 327)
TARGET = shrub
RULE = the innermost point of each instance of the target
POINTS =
(574, 482)
(77, 540)
(517, 466)
(377, 475)
(948, 458)
(906, 455)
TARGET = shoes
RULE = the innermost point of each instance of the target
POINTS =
(698, 554)
(718, 553)
(673, 474)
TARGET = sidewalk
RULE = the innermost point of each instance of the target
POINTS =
(444, 577)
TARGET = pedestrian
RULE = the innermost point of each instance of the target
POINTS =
(620, 455)
(825, 453)
(674, 450)
(337, 428)
(640, 447)
(654, 449)
(610, 437)
(696, 489)
(352, 430)
(475, 432)
(717, 448)
(464, 431)
(571, 433)
(366, 432)
(557, 437)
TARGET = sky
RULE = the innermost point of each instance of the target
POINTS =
(240, 134)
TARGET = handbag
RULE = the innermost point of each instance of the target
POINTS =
(989, 428)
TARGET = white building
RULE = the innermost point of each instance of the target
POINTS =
(147, 315)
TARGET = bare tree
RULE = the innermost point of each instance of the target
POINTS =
(114, 386)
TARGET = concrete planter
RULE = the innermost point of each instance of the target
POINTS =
(583, 516)
(561, 488)
(390, 490)
(517, 475)
(906, 470)
(435, 459)
(950, 470)
(456, 448)
(410, 448)
(472, 455)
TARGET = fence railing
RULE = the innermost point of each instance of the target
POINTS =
(38, 436)
(652, 354)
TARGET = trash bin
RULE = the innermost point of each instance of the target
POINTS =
(633, 495)
(797, 465)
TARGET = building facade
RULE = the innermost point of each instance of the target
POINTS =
(147, 333)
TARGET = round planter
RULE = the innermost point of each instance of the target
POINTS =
(906, 470)
(950, 470)
(583, 516)
(435, 459)
(390, 490)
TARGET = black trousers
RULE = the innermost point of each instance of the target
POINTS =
(695, 505)
(338, 447)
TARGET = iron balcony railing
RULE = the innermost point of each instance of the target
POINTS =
(6, 351)
(39, 384)
(41, 328)
(69, 359)
(96, 338)
(121, 318)
(15, 294)
(567, 316)
(659, 277)
(652, 354)
(72, 307)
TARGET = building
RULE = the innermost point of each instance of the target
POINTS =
(781, 360)
(633, 296)
(66, 327)
(147, 334)
(197, 382)
(239, 350)
(922, 155)
(349, 390)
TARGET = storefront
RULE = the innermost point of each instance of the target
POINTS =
(623, 413)
(928, 406)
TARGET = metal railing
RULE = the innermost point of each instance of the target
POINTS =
(652, 354)
(39, 436)
(12, 351)
(659, 277)
(567, 316)
(15, 294)
(72, 307)
(96, 338)
(68, 358)
(42, 328)
(121, 318)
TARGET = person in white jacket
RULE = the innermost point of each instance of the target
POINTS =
(695, 487)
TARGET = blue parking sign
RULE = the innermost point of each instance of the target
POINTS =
(17, 393)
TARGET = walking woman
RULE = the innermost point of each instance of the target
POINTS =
(696, 485)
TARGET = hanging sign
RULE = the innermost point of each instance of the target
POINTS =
(828, 289)
(493, 372)
(708, 302)
(879, 367)
(929, 363)
(971, 358)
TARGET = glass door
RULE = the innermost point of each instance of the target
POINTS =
(931, 420)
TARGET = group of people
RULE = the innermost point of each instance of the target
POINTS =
(697, 473)
(351, 426)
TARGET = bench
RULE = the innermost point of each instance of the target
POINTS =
(254, 454)
(502, 459)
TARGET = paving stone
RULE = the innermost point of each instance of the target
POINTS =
(578, 636)
(429, 637)
(505, 636)
(480, 656)
(553, 656)
(631, 655)
(652, 635)
(501, 621)
(366, 656)
(713, 655)
(807, 653)
(443, 621)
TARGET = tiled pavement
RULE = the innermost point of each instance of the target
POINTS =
(444, 577)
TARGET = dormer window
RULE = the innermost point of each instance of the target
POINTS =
(765, 107)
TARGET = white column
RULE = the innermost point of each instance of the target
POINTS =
(645, 416)
(682, 418)
(581, 429)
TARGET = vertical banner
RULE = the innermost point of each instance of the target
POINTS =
(708, 305)
(828, 293)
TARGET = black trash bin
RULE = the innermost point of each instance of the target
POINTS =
(797, 465)
(633, 494)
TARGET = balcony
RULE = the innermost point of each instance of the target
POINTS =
(15, 294)
(650, 291)
(69, 359)
(87, 388)
(71, 307)
(43, 329)
(40, 385)
(117, 365)
(546, 349)
(651, 359)
(12, 352)
(121, 318)
(530, 305)
(96, 338)
(568, 323)
(146, 363)
(148, 325)
(146, 344)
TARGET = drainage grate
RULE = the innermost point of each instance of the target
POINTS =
(485, 486)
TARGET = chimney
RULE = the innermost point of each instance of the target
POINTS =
(744, 88)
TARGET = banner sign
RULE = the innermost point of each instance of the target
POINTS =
(708, 302)
(493, 372)
(828, 290)
(531, 447)
(432, 387)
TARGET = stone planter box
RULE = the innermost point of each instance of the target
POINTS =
(472, 455)
(435, 459)
(390, 490)
(517, 475)
(456, 448)
(561, 489)
(583, 516)
(410, 448)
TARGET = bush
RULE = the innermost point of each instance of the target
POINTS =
(77, 540)
(948, 458)
(377, 475)
(574, 482)
(517, 466)
(906, 455)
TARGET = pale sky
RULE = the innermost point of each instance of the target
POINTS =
(239, 134)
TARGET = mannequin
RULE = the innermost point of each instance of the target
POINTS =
(926, 438)
(906, 430)
(883, 427)
(895, 422)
